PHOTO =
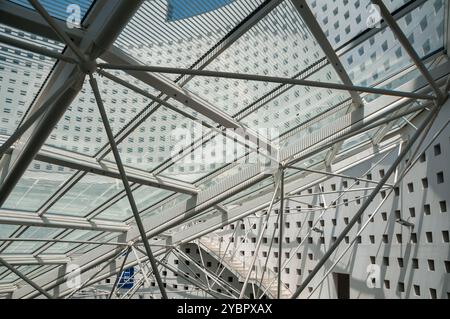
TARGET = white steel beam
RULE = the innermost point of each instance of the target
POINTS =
(88, 164)
(32, 219)
(35, 260)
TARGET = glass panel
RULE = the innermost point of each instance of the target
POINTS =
(306, 129)
(22, 74)
(278, 45)
(238, 167)
(353, 17)
(7, 230)
(164, 207)
(29, 247)
(358, 139)
(64, 248)
(308, 163)
(42, 270)
(8, 276)
(201, 218)
(37, 185)
(105, 237)
(87, 194)
(298, 104)
(81, 128)
(397, 81)
(144, 196)
(154, 141)
(249, 193)
(401, 121)
(151, 38)
(382, 56)
(59, 9)
(215, 152)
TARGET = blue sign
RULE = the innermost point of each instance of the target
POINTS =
(126, 280)
(182, 9)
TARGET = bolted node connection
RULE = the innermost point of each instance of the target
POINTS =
(88, 67)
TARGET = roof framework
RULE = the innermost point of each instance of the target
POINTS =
(366, 112)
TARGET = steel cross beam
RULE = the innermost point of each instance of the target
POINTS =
(314, 27)
(360, 179)
(429, 119)
(247, 143)
(260, 78)
(59, 240)
(25, 278)
(126, 184)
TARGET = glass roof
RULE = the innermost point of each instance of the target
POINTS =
(344, 20)
(22, 74)
(154, 141)
(81, 129)
(59, 9)
(64, 248)
(179, 43)
(87, 194)
(145, 196)
(29, 247)
(426, 35)
(278, 45)
(37, 184)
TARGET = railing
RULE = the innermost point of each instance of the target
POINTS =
(213, 243)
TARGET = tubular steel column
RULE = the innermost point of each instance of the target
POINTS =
(126, 185)
(430, 118)
(280, 236)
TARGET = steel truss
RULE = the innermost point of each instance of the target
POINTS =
(85, 46)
